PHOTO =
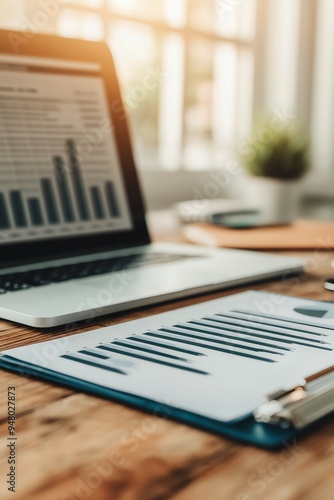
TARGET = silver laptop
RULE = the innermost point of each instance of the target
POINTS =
(73, 237)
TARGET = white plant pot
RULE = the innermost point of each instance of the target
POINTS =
(278, 200)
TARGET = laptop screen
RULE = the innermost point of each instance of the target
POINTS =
(60, 172)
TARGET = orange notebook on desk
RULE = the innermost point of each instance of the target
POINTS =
(300, 235)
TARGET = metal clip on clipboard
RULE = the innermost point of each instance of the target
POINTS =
(302, 405)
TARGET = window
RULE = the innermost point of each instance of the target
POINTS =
(194, 73)
(192, 117)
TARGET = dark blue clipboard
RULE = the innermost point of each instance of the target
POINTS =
(246, 431)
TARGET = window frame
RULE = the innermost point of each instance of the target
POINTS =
(189, 182)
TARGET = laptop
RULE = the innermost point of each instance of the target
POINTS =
(73, 238)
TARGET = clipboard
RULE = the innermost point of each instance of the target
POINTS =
(283, 415)
(271, 426)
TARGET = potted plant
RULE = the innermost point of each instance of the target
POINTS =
(276, 159)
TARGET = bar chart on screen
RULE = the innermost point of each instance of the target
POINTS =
(67, 212)
(54, 179)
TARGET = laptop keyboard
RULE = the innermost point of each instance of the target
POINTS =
(24, 280)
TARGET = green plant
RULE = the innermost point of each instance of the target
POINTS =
(282, 154)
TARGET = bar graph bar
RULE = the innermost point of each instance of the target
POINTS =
(111, 200)
(78, 184)
(97, 202)
(4, 217)
(50, 201)
(35, 211)
(63, 189)
(16, 202)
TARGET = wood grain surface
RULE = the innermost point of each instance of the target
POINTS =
(300, 235)
(74, 446)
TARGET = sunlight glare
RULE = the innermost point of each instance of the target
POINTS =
(175, 12)
(68, 24)
(124, 6)
(92, 27)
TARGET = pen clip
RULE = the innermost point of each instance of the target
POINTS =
(301, 405)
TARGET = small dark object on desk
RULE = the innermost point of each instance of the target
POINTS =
(329, 284)
(244, 220)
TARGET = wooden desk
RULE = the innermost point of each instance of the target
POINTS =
(75, 446)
